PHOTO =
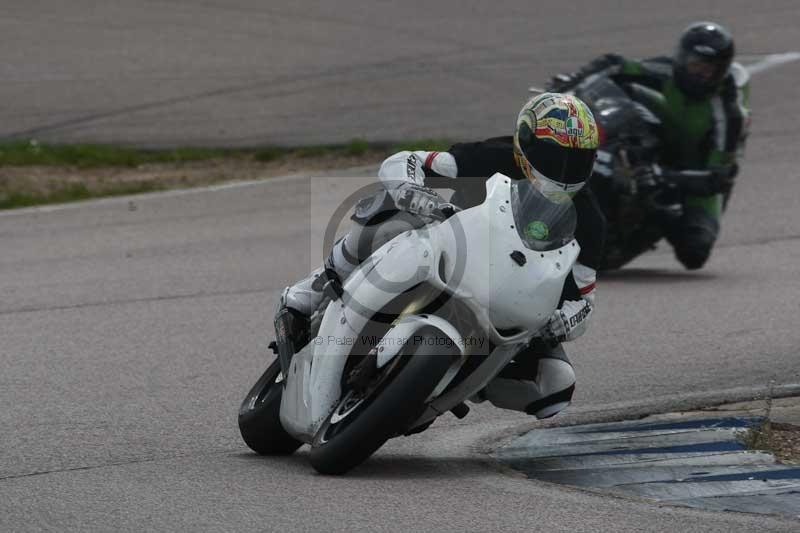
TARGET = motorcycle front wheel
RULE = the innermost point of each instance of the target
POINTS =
(259, 416)
(367, 417)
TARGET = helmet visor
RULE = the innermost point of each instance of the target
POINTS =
(705, 70)
(561, 164)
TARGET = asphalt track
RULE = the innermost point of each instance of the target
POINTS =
(129, 330)
(243, 72)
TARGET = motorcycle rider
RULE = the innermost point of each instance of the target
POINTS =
(554, 147)
(701, 99)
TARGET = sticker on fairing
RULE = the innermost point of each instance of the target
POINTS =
(537, 230)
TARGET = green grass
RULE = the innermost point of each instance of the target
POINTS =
(758, 436)
(28, 153)
(269, 153)
(72, 193)
(19, 193)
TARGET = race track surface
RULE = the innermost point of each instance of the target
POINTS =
(130, 330)
(244, 72)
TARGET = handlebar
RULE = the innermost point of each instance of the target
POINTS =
(697, 182)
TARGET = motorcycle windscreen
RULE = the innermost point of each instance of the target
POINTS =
(541, 224)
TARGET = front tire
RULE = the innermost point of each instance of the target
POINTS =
(259, 416)
(358, 426)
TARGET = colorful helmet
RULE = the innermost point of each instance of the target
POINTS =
(702, 60)
(555, 144)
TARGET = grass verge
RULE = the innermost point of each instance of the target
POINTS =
(33, 153)
(71, 193)
(782, 440)
(32, 173)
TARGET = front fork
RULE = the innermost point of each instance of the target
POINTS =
(291, 334)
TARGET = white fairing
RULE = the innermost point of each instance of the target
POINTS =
(401, 263)
(476, 246)
(396, 337)
(510, 295)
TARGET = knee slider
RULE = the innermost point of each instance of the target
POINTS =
(556, 382)
(694, 238)
(691, 257)
(694, 248)
(551, 405)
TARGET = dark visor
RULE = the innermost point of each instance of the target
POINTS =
(706, 69)
(559, 163)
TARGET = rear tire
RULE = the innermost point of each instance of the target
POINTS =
(259, 416)
(353, 432)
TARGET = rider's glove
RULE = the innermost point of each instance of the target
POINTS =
(560, 83)
(646, 176)
(565, 82)
(641, 178)
(569, 322)
(445, 211)
(418, 200)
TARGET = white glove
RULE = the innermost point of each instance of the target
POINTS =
(569, 322)
(416, 199)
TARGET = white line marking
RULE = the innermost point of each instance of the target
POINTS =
(176, 192)
(771, 61)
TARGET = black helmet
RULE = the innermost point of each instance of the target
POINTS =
(704, 55)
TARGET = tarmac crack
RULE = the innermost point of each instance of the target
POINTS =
(111, 464)
(171, 297)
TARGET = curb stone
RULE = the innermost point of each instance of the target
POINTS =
(695, 458)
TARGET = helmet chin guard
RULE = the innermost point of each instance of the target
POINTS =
(552, 190)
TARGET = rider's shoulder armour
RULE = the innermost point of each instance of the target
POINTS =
(658, 67)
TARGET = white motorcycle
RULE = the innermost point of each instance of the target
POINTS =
(422, 325)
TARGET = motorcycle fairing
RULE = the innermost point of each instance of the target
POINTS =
(398, 265)
(479, 269)
(469, 256)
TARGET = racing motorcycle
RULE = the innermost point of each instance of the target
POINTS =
(420, 327)
(640, 200)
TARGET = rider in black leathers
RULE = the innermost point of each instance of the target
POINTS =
(701, 99)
